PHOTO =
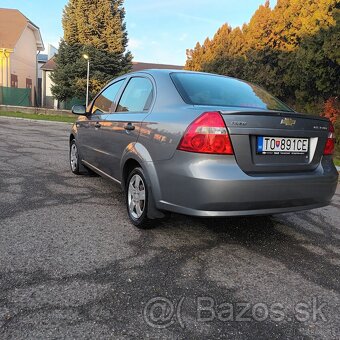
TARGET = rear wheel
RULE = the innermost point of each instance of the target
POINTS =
(74, 157)
(137, 195)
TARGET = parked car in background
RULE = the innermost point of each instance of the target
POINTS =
(203, 145)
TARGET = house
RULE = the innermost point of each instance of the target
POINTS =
(42, 60)
(47, 97)
(20, 41)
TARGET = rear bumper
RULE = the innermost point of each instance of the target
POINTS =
(214, 185)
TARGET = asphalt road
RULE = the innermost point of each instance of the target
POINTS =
(72, 266)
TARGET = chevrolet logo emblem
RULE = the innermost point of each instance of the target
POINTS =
(288, 122)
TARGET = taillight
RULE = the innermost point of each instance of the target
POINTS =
(330, 144)
(207, 134)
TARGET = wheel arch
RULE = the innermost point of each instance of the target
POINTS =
(72, 136)
(136, 155)
(129, 165)
(73, 132)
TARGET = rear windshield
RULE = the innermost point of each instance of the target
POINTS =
(213, 90)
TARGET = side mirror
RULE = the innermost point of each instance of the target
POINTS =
(79, 110)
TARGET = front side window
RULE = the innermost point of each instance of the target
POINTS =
(105, 102)
(137, 96)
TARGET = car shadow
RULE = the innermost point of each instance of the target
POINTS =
(286, 238)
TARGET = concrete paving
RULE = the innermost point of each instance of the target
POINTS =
(72, 266)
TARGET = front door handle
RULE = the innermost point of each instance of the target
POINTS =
(97, 125)
(129, 127)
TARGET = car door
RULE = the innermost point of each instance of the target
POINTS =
(92, 140)
(122, 127)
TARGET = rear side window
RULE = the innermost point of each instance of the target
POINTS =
(105, 102)
(137, 96)
(206, 89)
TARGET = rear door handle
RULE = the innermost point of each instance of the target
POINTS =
(97, 125)
(129, 127)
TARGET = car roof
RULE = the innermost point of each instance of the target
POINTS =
(155, 71)
(164, 73)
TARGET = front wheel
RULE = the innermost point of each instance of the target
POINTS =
(137, 196)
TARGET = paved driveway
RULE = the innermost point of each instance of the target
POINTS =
(71, 265)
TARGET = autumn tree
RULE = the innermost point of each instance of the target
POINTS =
(97, 28)
(258, 33)
(293, 50)
(295, 19)
(194, 58)
(332, 109)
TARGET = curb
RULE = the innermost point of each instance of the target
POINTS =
(33, 109)
(36, 120)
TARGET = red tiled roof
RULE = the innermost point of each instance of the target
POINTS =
(137, 66)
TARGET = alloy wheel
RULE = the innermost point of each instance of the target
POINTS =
(136, 196)
(74, 157)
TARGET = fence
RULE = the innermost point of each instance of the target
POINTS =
(23, 97)
(67, 105)
(15, 96)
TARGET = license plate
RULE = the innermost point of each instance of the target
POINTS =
(282, 146)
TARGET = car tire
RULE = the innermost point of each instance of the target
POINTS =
(136, 197)
(74, 158)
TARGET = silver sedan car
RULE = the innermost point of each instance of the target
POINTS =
(203, 145)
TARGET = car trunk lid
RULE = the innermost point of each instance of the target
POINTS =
(246, 127)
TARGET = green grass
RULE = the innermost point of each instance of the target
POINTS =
(336, 161)
(53, 118)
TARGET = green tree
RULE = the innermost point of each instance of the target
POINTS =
(232, 66)
(97, 28)
(315, 71)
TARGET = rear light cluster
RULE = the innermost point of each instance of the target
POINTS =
(207, 134)
(330, 144)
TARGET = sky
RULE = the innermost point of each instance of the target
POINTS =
(159, 31)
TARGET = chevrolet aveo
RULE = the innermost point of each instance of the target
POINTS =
(203, 145)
